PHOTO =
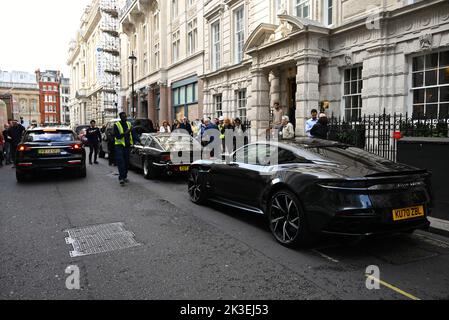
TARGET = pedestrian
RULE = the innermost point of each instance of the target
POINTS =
(321, 129)
(15, 132)
(175, 125)
(185, 125)
(239, 132)
(7, 144)
(227, 126)
(123, 137)
(165, 128)
(278, 113)
(288, 132)
(311, 122)
(93, 135)
(2, 144)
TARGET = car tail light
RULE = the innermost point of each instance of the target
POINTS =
(76, 146)
(23, 148)
(166, 157)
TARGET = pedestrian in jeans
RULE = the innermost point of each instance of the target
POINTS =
(93, 135)
(123, 136)
(7, 145)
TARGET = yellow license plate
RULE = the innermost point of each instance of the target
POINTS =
(408, 213)
(184, 168)
(49, 151)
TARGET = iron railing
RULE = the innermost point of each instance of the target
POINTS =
(379, 133)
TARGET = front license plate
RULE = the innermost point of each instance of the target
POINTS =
(184, 168)
(408, 213)
(49, 151)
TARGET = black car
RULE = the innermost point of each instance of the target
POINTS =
(307, 187)
(164, 154)
(50, 148)
(140, 126)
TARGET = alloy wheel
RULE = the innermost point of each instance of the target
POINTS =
(195, 187)
(284, 218)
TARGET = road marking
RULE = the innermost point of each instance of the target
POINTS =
(326, 256)
(397, 290)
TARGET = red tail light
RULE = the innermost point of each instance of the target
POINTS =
(76, 146)
(165, 157)
(23, 148)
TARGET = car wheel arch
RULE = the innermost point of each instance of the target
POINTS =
(279, 186)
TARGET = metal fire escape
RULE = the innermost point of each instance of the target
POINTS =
(109, 58)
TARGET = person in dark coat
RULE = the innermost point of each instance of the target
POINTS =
(93, 135)
(185, 125)
(15, 132)
(320, 130)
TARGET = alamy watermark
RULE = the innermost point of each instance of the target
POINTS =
(72, 282)
(372, 274)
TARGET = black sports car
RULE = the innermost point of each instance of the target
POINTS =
(169, 154)
(306, 187)
(44, 149)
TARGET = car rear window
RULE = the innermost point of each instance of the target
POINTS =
(50, 136)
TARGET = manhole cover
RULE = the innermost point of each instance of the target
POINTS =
(99, 239)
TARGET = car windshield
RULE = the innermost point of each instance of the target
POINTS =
(177, 142)
(43, 136)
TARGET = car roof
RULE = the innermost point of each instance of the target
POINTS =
(50, 128)
(312, 142)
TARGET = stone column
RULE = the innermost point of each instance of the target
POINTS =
(259, 114)
(307, 92)
(151, 105)
(164, 105)
(275, 92)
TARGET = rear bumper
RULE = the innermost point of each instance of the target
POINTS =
(171, 168)
(50, 164)
(368, 226)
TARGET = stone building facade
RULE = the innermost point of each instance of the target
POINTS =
(20, 92)
(236, 58)
(95, 65)
(166, 37)
(348, 57)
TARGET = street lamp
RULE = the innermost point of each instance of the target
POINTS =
(133, 59)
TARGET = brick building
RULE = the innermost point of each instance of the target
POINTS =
(49, 96)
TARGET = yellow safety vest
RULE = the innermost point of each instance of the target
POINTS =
(121, 142)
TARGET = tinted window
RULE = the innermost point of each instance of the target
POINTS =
(43, 136)
(286, 156)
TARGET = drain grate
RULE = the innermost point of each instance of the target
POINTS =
(99, 239)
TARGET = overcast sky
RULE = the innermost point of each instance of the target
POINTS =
(36, 33)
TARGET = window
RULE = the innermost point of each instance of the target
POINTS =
(156, 56)
(218, 103)
(216, 46)
(175, 46)
(430, 83)
(240, 96)
(302, 8)
(239, 36)
(156, 22)
(353, 85)
(174, 8)
(328, 11)
(192, 35)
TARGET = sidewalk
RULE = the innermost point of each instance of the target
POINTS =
(439, 226)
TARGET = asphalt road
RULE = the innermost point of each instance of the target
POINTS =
(188, 251)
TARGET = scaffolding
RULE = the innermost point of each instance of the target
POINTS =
(108, 62)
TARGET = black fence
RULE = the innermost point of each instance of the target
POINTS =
(379, 134)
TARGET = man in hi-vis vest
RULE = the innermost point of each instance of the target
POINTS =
(123, 137)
